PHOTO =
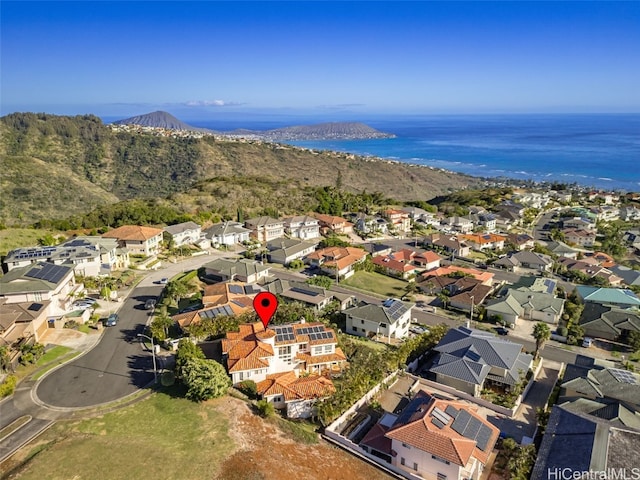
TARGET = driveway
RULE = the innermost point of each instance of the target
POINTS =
(523, 425)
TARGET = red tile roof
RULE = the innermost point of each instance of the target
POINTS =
(341, 257)
(484, 277)
(133, 232)
(306, 387)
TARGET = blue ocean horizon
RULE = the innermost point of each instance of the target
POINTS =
(592, 150)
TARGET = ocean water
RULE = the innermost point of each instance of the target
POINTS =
(601, 151)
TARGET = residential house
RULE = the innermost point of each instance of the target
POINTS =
(265, 229)
(337, 261)
(603, 384)
(522, 303)
(486, 221)
(459, 224)
(506, 219)
(511, 207)
(138, 240)
(296, 395)
(376, 249)
(533, 284)
(427, 260)
(242, 270)
(398, 219)
(311, 295)
(606, 213)
(253, 352)
(520, 241)
(532, 199)
(484, 241)
(390, 319)
(525, 260)
(450, 244)
(611, 323)
(186, 233)
(589, 267)
(470, 360)
(421, 216)
(33, 296)
(303, 227)
(484, 277)
(629, 276)
(220, 299)
(576, 441)
(332, 224)
(434, 438)
(113, 257)
(563, 196)
(629, 213)
(616, 297)
(562, 249)
(83, 257)
(584, 238)
(398, 264)
(581, 223)
(227, 233)
(371, 224)
(286, 250)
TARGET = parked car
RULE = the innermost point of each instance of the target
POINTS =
(501, 331)
(81, 305)
(150, 304)
(587, 342)
(163, 281)
(112, 320)
(88, 300)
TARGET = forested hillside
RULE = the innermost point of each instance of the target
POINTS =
(56, 166)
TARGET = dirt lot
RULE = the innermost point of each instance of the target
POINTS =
(264, 453)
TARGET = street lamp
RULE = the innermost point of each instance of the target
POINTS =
(471, 312)
(153, 353)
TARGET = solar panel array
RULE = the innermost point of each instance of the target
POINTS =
(45, 252)
(308, 330)
(48, 272)
(623, 376)
(441, 416)
(320, 336)
(35, 307)
(395, 309)
(304, 291)
(437, 423)
(236, 289)
(472, 428)
(284, 333)
(451, 410)
(214, 312)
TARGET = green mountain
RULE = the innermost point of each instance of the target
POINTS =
(58, 166)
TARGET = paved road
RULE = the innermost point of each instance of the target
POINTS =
(116, 367)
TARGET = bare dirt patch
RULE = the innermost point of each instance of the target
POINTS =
(263, 452)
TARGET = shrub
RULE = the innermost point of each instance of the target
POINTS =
(8, 386)
(562, 331)
(249, 388)
(265, 409)
(296, 264)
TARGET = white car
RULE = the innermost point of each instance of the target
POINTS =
(587, 342)
(81, 305)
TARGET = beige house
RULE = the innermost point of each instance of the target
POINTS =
(265, 229)
(138, 240)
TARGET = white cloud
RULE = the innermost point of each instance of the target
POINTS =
(210, 103)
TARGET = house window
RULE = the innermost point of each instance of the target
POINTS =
(441, 459)
(284, 354)
(37, 296)
(442, 476)
(362, 322)
(402, 462)
(328, 348)
(415, 466)
(383, 325)
(406, 446)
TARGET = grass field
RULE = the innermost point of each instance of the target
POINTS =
(11, 238)
(376, 283)
(161, 437)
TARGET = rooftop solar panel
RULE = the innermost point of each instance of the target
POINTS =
(452, 411)
(461, 421)
(472, 428)
(440, 415)
(236, 289)
(437, 423)
(483, 437)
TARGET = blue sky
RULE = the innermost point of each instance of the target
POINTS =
(197, 59)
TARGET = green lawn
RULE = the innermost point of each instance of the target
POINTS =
(160, 437)
(376, 283)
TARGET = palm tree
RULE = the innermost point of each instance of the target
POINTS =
(541, 333)
(409, 289)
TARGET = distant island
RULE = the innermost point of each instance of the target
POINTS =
(320, 131)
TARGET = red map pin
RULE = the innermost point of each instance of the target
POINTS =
(265, 305)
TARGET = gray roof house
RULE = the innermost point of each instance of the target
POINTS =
(242, 270)
(581, 442)
(293, 291)
(525, 259)
(285, 250)
(562, 250)
(390, 319)
(606, 321)
(527, 304)
(628, 275)
(468, 359)
(185, 233)
(227, 233)
(606, 385)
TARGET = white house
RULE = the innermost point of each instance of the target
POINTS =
(138, 240)
(227, 233)
(303, 227)
(391, 319)
(285, 250)
(265, 229)
(186, 233)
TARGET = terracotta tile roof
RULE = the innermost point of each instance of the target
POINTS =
(388, 261)
(338, 356)
(443, 442)
(306, 387)
(133, 232)
(427, 257)
(484, 277)
(243, 349)
(341, 257)
(237, 306)
(330, 220)
(221, 293)
(484, 238)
